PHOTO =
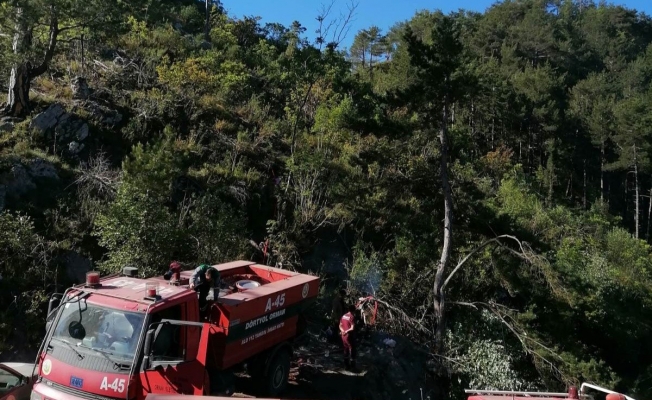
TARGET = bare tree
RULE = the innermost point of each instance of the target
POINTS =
(439, 283)
(31, 63)
(338, 28)
(97, 178)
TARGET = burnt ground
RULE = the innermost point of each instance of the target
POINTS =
(383, 372)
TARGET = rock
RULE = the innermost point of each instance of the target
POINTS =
(79, 87)
(75, 147)
(82, 132)
(40, 168)
(17, 181)
(48, 118)
(71, 128)
(6, 126)
(101, 114)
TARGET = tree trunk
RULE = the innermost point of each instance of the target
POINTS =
(584, 187)
(626, 208)
(22, 73)
(602, 172)
(18, 96)
(551, 178)
(636, 213)
(19, 84)
(207, 26)
(649, 215)
(440, 301)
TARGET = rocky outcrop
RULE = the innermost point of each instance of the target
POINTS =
(23, 177)
(17, 181)
(67, 129)
(71, 129)
(48, 119)
(40, 168)
(99, 114)
(7, 124)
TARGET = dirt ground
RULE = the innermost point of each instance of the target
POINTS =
(383, 372)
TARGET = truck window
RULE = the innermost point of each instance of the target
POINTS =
(167, 344)
(174, 343)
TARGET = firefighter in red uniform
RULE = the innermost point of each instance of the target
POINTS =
(348, 333)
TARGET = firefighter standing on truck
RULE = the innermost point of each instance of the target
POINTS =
(348, 333)
(202, 280)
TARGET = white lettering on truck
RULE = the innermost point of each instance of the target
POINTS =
(262, 333)
(280, 300)
(118, 385)
(135, 286)
(264, 318)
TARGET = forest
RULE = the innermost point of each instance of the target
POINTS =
(488, 174)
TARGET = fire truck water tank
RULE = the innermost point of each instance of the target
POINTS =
(246, 284)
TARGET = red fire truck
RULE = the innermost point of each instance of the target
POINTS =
(125, 337)
(584, 393)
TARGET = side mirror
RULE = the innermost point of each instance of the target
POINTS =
(76, 330)
(147, 348)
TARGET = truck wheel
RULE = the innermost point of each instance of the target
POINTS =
(278, 373)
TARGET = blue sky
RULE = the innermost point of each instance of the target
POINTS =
(383, 13)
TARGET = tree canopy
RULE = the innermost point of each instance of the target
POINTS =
(253, 142)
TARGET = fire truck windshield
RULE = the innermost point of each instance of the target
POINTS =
(111, 331)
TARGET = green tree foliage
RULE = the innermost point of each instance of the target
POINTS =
(253, 134)
(28, 271)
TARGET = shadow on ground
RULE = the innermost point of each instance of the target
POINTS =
(383, 372)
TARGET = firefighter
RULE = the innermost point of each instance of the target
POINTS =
(202, 280)
(348, 333)
(175, 267)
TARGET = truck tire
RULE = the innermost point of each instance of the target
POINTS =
(278, 373)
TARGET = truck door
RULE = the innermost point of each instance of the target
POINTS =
(175, 358)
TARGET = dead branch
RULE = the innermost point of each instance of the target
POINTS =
(477, 249)
(525, 253)
(344, 24)
(100, 64)
(98, 176)
(322, 31)
(401, 316)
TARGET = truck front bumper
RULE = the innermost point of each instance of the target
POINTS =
(41, 391)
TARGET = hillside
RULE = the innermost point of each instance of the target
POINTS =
(142, 132)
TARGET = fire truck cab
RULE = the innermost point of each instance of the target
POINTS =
(125, 337)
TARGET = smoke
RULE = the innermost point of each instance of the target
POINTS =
(366, 273)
